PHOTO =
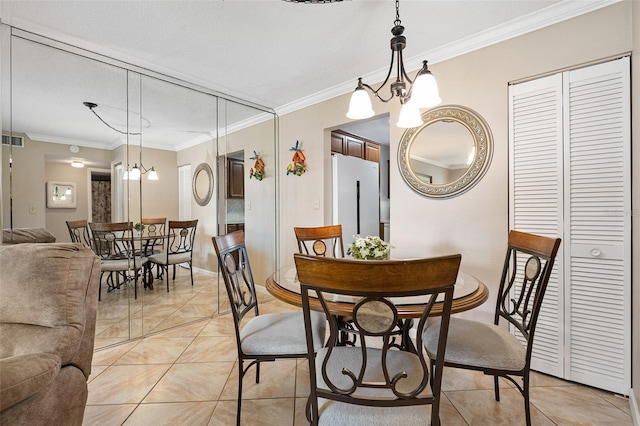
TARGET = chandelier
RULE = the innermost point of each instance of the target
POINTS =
(135, 172)
(422, 92)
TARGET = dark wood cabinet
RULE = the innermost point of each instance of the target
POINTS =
(354, 146)
(232, 227)
(235, 178)
(372, 151)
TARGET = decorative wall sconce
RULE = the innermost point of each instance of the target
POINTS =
(61, 195)
(257, 171)
(298, 167)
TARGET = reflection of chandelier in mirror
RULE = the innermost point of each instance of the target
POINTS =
(422, 92)
(59, 195)
(92, 106)
(135, 172)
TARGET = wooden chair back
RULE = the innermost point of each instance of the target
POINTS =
(316, 240)
(526, 272)
(374, 372)
(234, 265)
(79, 232)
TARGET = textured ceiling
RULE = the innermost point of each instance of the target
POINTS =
(273, 53)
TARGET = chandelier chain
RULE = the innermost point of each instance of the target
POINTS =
(397, 21)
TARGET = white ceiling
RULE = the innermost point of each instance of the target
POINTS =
(277, 54)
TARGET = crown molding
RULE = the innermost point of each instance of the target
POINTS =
(551, 15)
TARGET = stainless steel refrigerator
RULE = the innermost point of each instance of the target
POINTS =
(356, 196)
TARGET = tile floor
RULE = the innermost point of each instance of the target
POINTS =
(188, 375)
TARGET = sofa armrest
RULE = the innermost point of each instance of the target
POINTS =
(23, 375)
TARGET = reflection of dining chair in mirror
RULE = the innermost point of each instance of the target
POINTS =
(493, 349)
(373, 382)
(113, 243)
(179, 248)
(265, 337)
(315, 240)
(79, 232)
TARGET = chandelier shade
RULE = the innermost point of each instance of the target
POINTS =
(415, 94)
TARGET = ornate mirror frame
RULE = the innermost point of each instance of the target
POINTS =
(202, 168)
(482, 139)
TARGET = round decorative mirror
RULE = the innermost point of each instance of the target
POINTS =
(202, 184)
(448, 154)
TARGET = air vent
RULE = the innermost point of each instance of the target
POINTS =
(15, 141)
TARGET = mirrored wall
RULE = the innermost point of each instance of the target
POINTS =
(63, 106)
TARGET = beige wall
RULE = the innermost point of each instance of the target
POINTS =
(474, 224)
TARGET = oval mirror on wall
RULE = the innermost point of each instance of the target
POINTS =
(202, 184)
(448, 154)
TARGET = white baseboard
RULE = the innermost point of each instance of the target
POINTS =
(635, 412)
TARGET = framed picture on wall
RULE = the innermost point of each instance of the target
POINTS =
(61, 195)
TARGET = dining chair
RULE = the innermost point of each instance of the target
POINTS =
(79, 232)
(179, 248)
(374, 382)
(113, 243)
(265, 337)
(500, 351)
(155, 226)
(316, 239)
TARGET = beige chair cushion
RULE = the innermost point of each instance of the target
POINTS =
(280, 334)
(334, 413)
(474, 343)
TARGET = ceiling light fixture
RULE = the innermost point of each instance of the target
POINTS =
(421, 93)
(92, 106)
(77, 164)
(136, 172)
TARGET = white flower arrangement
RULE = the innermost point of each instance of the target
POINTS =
(369, 248)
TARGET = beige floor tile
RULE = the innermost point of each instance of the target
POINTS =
(174, 413)
(565, 405)
(277, 380)
(454, 379)
(156, 350)
(210, 349)
(255, 412)
(123, 384)
(219, 326)
(299, 413)
(302, 378)
(478, 407)
(618, 401)
(196, 309)
(110, 355)
(107, 415)
(95, 371)
(191, 382)
(188, 330)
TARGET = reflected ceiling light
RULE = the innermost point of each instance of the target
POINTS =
(136, 172)
(92, 106)
(77, 164)
(421, 93)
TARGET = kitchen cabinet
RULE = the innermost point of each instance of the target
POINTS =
(235, 178)
(354, 146)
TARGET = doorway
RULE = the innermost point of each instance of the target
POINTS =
(99, 210)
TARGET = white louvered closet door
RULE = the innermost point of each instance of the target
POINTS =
(593, 205)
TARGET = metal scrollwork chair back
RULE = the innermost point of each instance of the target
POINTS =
(79, 232)
(113, 243)
(266, 337)
(320, 240)
(179, 249)
(373, 381)
(495, 350)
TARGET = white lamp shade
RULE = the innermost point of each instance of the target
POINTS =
(134, 174)
(153, 175)
(360, 105)
(409, 116)
(424, 93)
(125, 175)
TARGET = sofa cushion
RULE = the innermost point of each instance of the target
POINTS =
(27, 235)
(24, 375)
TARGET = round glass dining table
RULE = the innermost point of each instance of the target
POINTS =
(468, 293)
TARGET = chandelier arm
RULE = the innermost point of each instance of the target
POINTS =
(109, 125)
(386, 80)
(375, 92)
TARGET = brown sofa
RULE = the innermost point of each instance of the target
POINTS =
(48, 298)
